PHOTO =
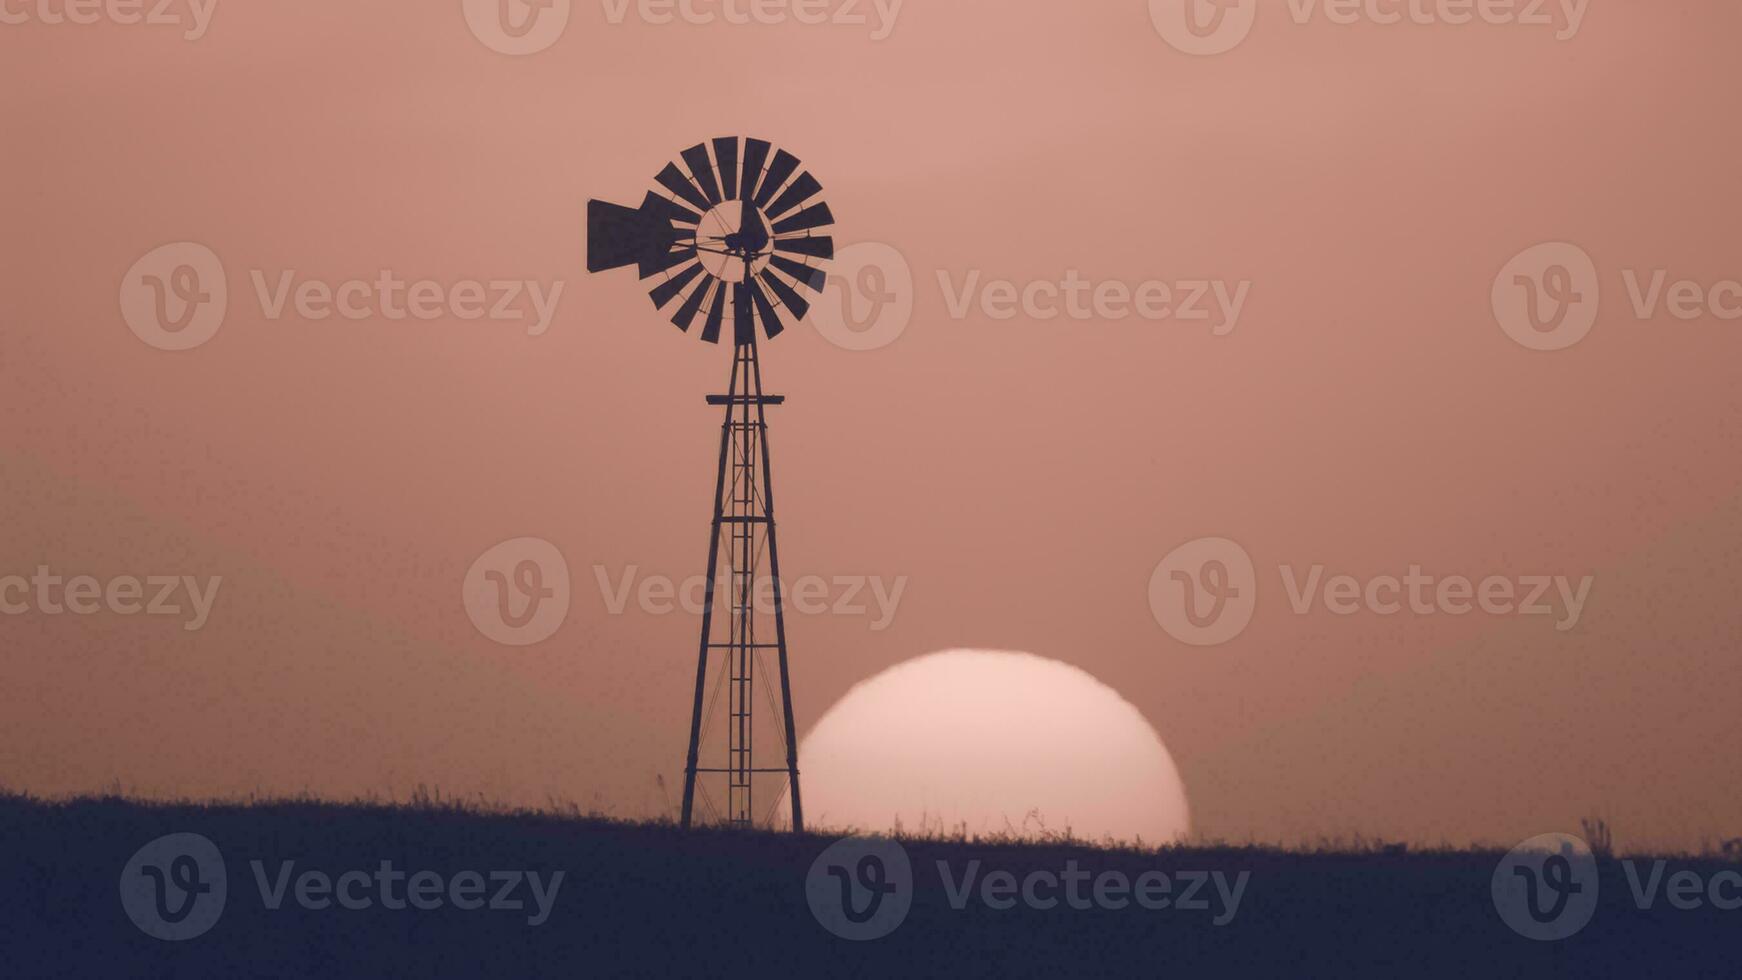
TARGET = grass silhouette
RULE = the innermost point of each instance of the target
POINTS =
(647, 899)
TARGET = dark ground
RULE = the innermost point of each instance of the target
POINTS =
(641, 900)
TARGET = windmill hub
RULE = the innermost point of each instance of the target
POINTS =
(733, 239)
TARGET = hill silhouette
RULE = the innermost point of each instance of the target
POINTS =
(649, 900)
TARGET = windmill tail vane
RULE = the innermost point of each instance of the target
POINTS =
(734, 231)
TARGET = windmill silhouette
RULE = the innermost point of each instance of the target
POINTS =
(735, 234)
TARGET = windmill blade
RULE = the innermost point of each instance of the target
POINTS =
(653, 265)
(716, 316)
(668, 210)
(817, 246)
(673, 179)
(686, 314)
(726, 152)
(666, 291)
(809, 275)
(800, 191)
(742, 320)
(755, 155)
(771, 324)
(815, 216)
(703, 169)
(782, 168)
(788, 296)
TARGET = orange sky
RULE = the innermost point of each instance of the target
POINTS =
(1024, 477)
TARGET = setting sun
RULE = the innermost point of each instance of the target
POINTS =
(997, 742)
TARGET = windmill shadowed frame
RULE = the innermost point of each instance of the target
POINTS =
(734, 232)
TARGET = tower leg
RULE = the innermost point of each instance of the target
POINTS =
(779, 606)
(689, 780)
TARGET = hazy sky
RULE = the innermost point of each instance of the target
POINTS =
(1360, 186)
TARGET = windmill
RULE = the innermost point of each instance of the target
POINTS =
(735, 236)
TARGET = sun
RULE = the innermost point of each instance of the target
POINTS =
(996, 741)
